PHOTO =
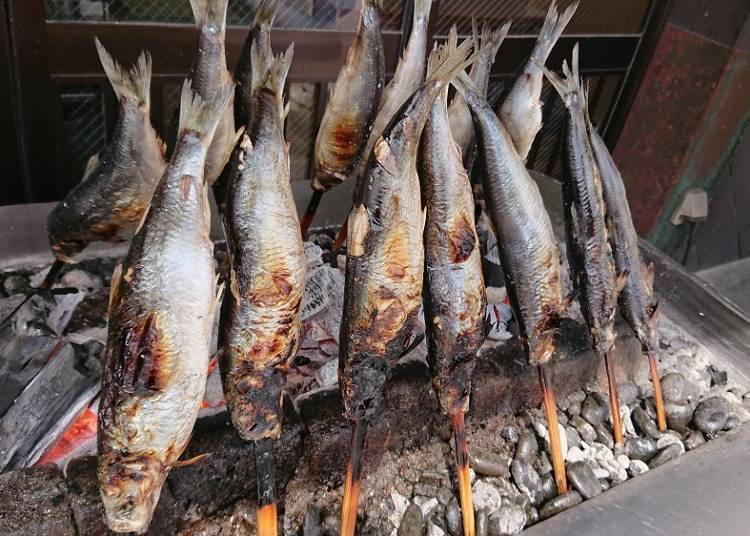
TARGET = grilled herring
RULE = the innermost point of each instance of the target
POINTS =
(162, 303)
(354, 101)
(385, 264)
(110, 200)
(528, 250)
(209, 75)
(454, 295)
(461, 123)
(260, 324)
(637, 303)
(520, 108)
(590, 256)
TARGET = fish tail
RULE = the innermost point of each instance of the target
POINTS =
(276, 71)
(570, 84)
(134, 84)
(492, 39)
(422, 10)
(210, 13)
(265, 13)
(202, 116)
(468, 90)
(377, 4)
(450, 59)
(554, 25)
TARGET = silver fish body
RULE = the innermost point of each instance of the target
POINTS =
(454, 294)
(110, 200)
(520, 107)
(260, 327)
(637, 302)
(209, 74)
(162, 304)
(353, 104)
(385, 252)
(528, 250)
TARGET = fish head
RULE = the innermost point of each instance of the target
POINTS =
(130, 489)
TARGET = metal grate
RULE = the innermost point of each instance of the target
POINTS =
(293, 14)
(300, 127)
(83, 127)
(592, 16)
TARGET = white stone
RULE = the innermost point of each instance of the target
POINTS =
(542, 432)
(400, 504)
(668, 439)
(627, 422)
(638, 467)
(328, 374)
(81, 280)
(575, 455)
(427, 504)
(486, 496)
(434, 530)
(623, 461)
(510, 519)
(600, 473)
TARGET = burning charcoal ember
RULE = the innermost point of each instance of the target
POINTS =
(78, 439)
(63, 388)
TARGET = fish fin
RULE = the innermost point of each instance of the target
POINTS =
(265, 13)
(276, 72)
(287, 107)
(572, 84)
(210, 13)
(202, 116)
(114, 288)
(422, 10)
(648, 274)
(449, 60)
(439, 53)
(492, 39)
(424, 218)
(553, 27)
(143, 218)
(133, 84)
(358, 225)
(91, 164)
(238, 135)
(621, 280)
(191, 461)
(377, 4)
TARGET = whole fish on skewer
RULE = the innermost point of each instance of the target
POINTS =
(385, 264)
(461, 123)
(590, 255)
(161, 310)
(520, 105)
(110, 200)
(259, 330)
(454, 295)
(528, 250)
(209, 74)
(353, 104)
(637, 303)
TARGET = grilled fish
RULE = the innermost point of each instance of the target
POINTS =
(209, 74)
(528, 250)
(109, 201)
(520, 107)
(259, 36)
(406, 80)
(461, 123)
(161, 309)
(637, 302)
(351, 110)
(260, 324)
(385, 251)
(454, 296)
(590, 255)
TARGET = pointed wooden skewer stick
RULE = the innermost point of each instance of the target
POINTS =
(614, 400)
(49, 280)
(550, 409)
(661, 419)
(462, 468)
(309, 215)
(265, 476)
(340, 237)
(350, 502)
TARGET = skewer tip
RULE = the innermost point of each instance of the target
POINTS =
(550, 409)
(464, 478)
(267, 520)
(661, 418)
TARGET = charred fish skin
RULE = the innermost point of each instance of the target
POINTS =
(461, 122)
(161, 310)
(210, 74)
(528, 250)
(636, 302)
(260, 326)
(521, 108)
(353, 104)
(110, 200)
(591, 262)
(406, 80)
(259, 36)
(454, 294)
(385, 253)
